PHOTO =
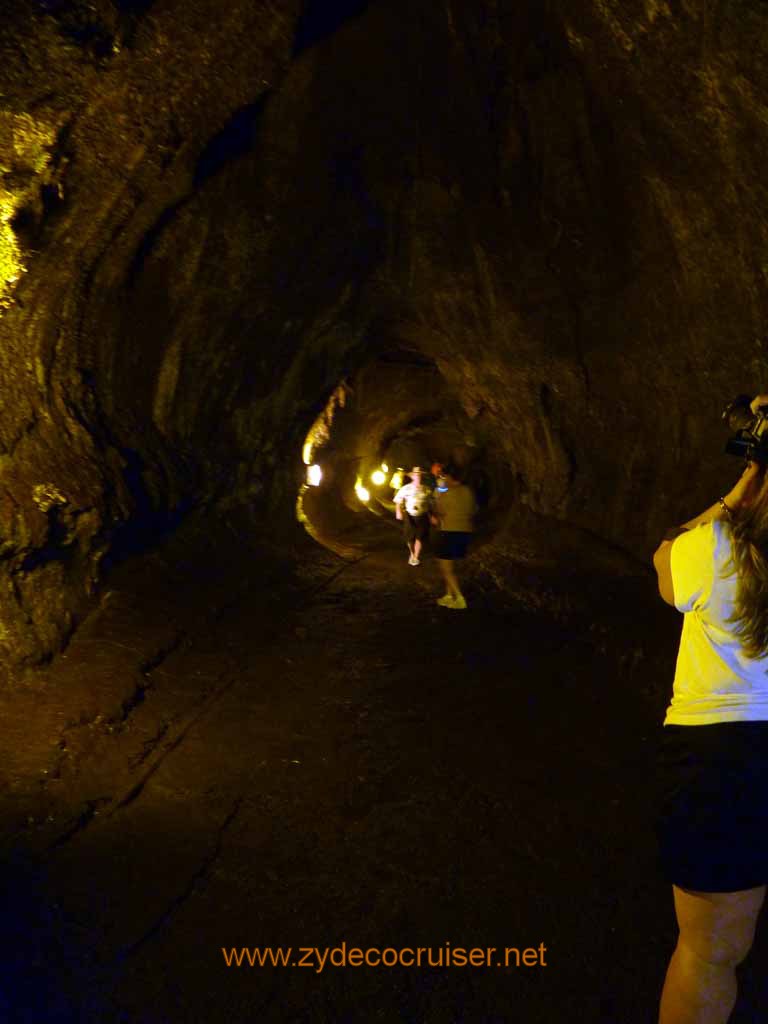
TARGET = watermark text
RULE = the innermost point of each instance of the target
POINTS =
(317, 958)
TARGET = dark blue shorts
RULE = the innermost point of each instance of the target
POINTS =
(712, 790)
(452, 545)
(415, 527)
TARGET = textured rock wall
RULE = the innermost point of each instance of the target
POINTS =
(571, 220)
(212, 213)
(105, 140)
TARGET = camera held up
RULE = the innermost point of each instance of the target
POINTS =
(750, 438)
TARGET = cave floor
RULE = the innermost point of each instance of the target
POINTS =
(281, 749)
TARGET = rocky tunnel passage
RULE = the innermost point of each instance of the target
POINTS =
(529, 237)
(396, 412)
(214, 216)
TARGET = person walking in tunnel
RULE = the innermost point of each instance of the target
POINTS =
(713, 758)
(413, 505)
(454, 513)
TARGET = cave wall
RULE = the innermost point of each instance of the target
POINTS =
(211, 213)
(105, 132)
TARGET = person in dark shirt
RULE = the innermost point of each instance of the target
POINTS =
(455, 508)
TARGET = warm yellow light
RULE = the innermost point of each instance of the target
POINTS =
(361, 492)
(10, 256)
(25, 166)
(314, 475)
(320, 432)
(378, 477)
(397, 480)
(384, 467)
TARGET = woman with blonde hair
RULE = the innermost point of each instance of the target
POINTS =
(713, 763)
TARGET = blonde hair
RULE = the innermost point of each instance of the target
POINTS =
(749, 555)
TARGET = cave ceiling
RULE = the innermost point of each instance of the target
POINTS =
(213, 213)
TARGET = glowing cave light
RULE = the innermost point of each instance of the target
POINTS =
(306, 452)
(378, 477)
(397, 480)
(314, 475)
(362, 493)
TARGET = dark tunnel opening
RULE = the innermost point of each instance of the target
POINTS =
(277, 262)
(399, 411)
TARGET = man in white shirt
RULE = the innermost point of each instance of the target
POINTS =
(413, 504)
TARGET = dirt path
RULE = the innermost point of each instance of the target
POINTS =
(324, 757)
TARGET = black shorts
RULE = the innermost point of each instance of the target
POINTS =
(712, 789)
(415, 527)
(451, 545)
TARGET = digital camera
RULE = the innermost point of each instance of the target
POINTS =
(750, 438)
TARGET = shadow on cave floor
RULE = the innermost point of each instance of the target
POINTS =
(275, 748)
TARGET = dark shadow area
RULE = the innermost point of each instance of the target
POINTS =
(134, 6)
(81, 25)
(321, 19)
(324, 758)
(151, 238)
(150, 523)
(58, 546)
(234, 141)
(47, 959)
